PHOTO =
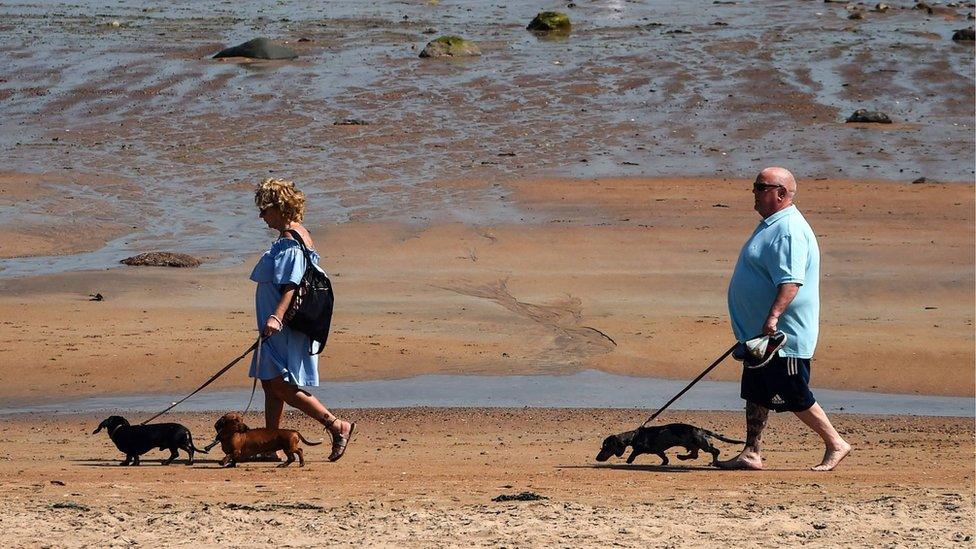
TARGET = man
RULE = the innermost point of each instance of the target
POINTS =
(775, 286)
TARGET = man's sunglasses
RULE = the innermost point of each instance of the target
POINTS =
(759, 187)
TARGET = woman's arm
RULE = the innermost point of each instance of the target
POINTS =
(274, 323)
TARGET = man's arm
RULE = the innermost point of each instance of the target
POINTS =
(784, 296)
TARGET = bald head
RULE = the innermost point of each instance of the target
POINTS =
(778, 176)
(773, 191)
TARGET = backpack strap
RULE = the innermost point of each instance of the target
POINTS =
(299, 239)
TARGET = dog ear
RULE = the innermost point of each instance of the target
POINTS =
(219, 425)
(240, 428)
(619, 446)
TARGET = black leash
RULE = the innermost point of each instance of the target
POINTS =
(690, 385)
(212, 379)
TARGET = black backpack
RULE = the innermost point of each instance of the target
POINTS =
(310, 310)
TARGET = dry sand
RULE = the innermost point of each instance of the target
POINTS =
(426, 478)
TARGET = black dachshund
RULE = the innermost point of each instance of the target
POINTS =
(135, 440)
(655, 440)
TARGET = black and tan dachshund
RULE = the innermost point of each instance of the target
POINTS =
(655, 440)
(135, 440)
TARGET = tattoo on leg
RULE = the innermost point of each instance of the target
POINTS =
(756, 417)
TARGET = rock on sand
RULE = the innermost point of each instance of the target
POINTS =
(162, 259)
(450, 46)
(259, 48)
(964, 35)
(871, 117)
(550, 21)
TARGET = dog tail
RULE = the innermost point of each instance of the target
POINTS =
(206, 449)
(307, 442)
(723, 438)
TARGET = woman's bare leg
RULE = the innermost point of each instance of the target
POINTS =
(274, 407)
(307, 403)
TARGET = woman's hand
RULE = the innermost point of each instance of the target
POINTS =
(272, 326)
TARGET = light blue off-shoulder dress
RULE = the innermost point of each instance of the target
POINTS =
(286, 352)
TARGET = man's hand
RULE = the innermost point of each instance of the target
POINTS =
(769, 326)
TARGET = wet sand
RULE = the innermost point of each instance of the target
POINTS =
(637, 89)
(626, 276)
(426, 478)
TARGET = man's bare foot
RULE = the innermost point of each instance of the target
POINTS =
(832, 457)
(750, 461)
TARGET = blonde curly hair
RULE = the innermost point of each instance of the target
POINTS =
(284, 195)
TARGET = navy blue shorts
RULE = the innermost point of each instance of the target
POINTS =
(782, 385)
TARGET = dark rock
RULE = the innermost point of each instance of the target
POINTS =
(162, 259)
(881, 7)
(919, 181)
(548, 21)
(450, 46)
(69, 505)
(922, 6)
(856, 15)
(351, 122)
(720, 205)
(303, 39)
(522, 496)
(964, 35)
(259, 48)
(95, 297)
(869, 117)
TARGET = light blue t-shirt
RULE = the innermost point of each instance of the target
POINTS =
(782, 249)
(286, 352)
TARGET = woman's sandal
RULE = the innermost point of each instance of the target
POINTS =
(340, 442)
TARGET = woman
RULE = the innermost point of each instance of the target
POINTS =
(285, 365)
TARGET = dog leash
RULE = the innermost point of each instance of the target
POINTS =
(255, 345)
(254, 384)
(690, 385)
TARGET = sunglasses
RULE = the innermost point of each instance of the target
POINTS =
(760, 187)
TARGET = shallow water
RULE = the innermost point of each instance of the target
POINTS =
(587, 389)
(637, 89)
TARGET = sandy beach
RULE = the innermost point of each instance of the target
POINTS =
(593, 260)
(554, 206)
(427, 478)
